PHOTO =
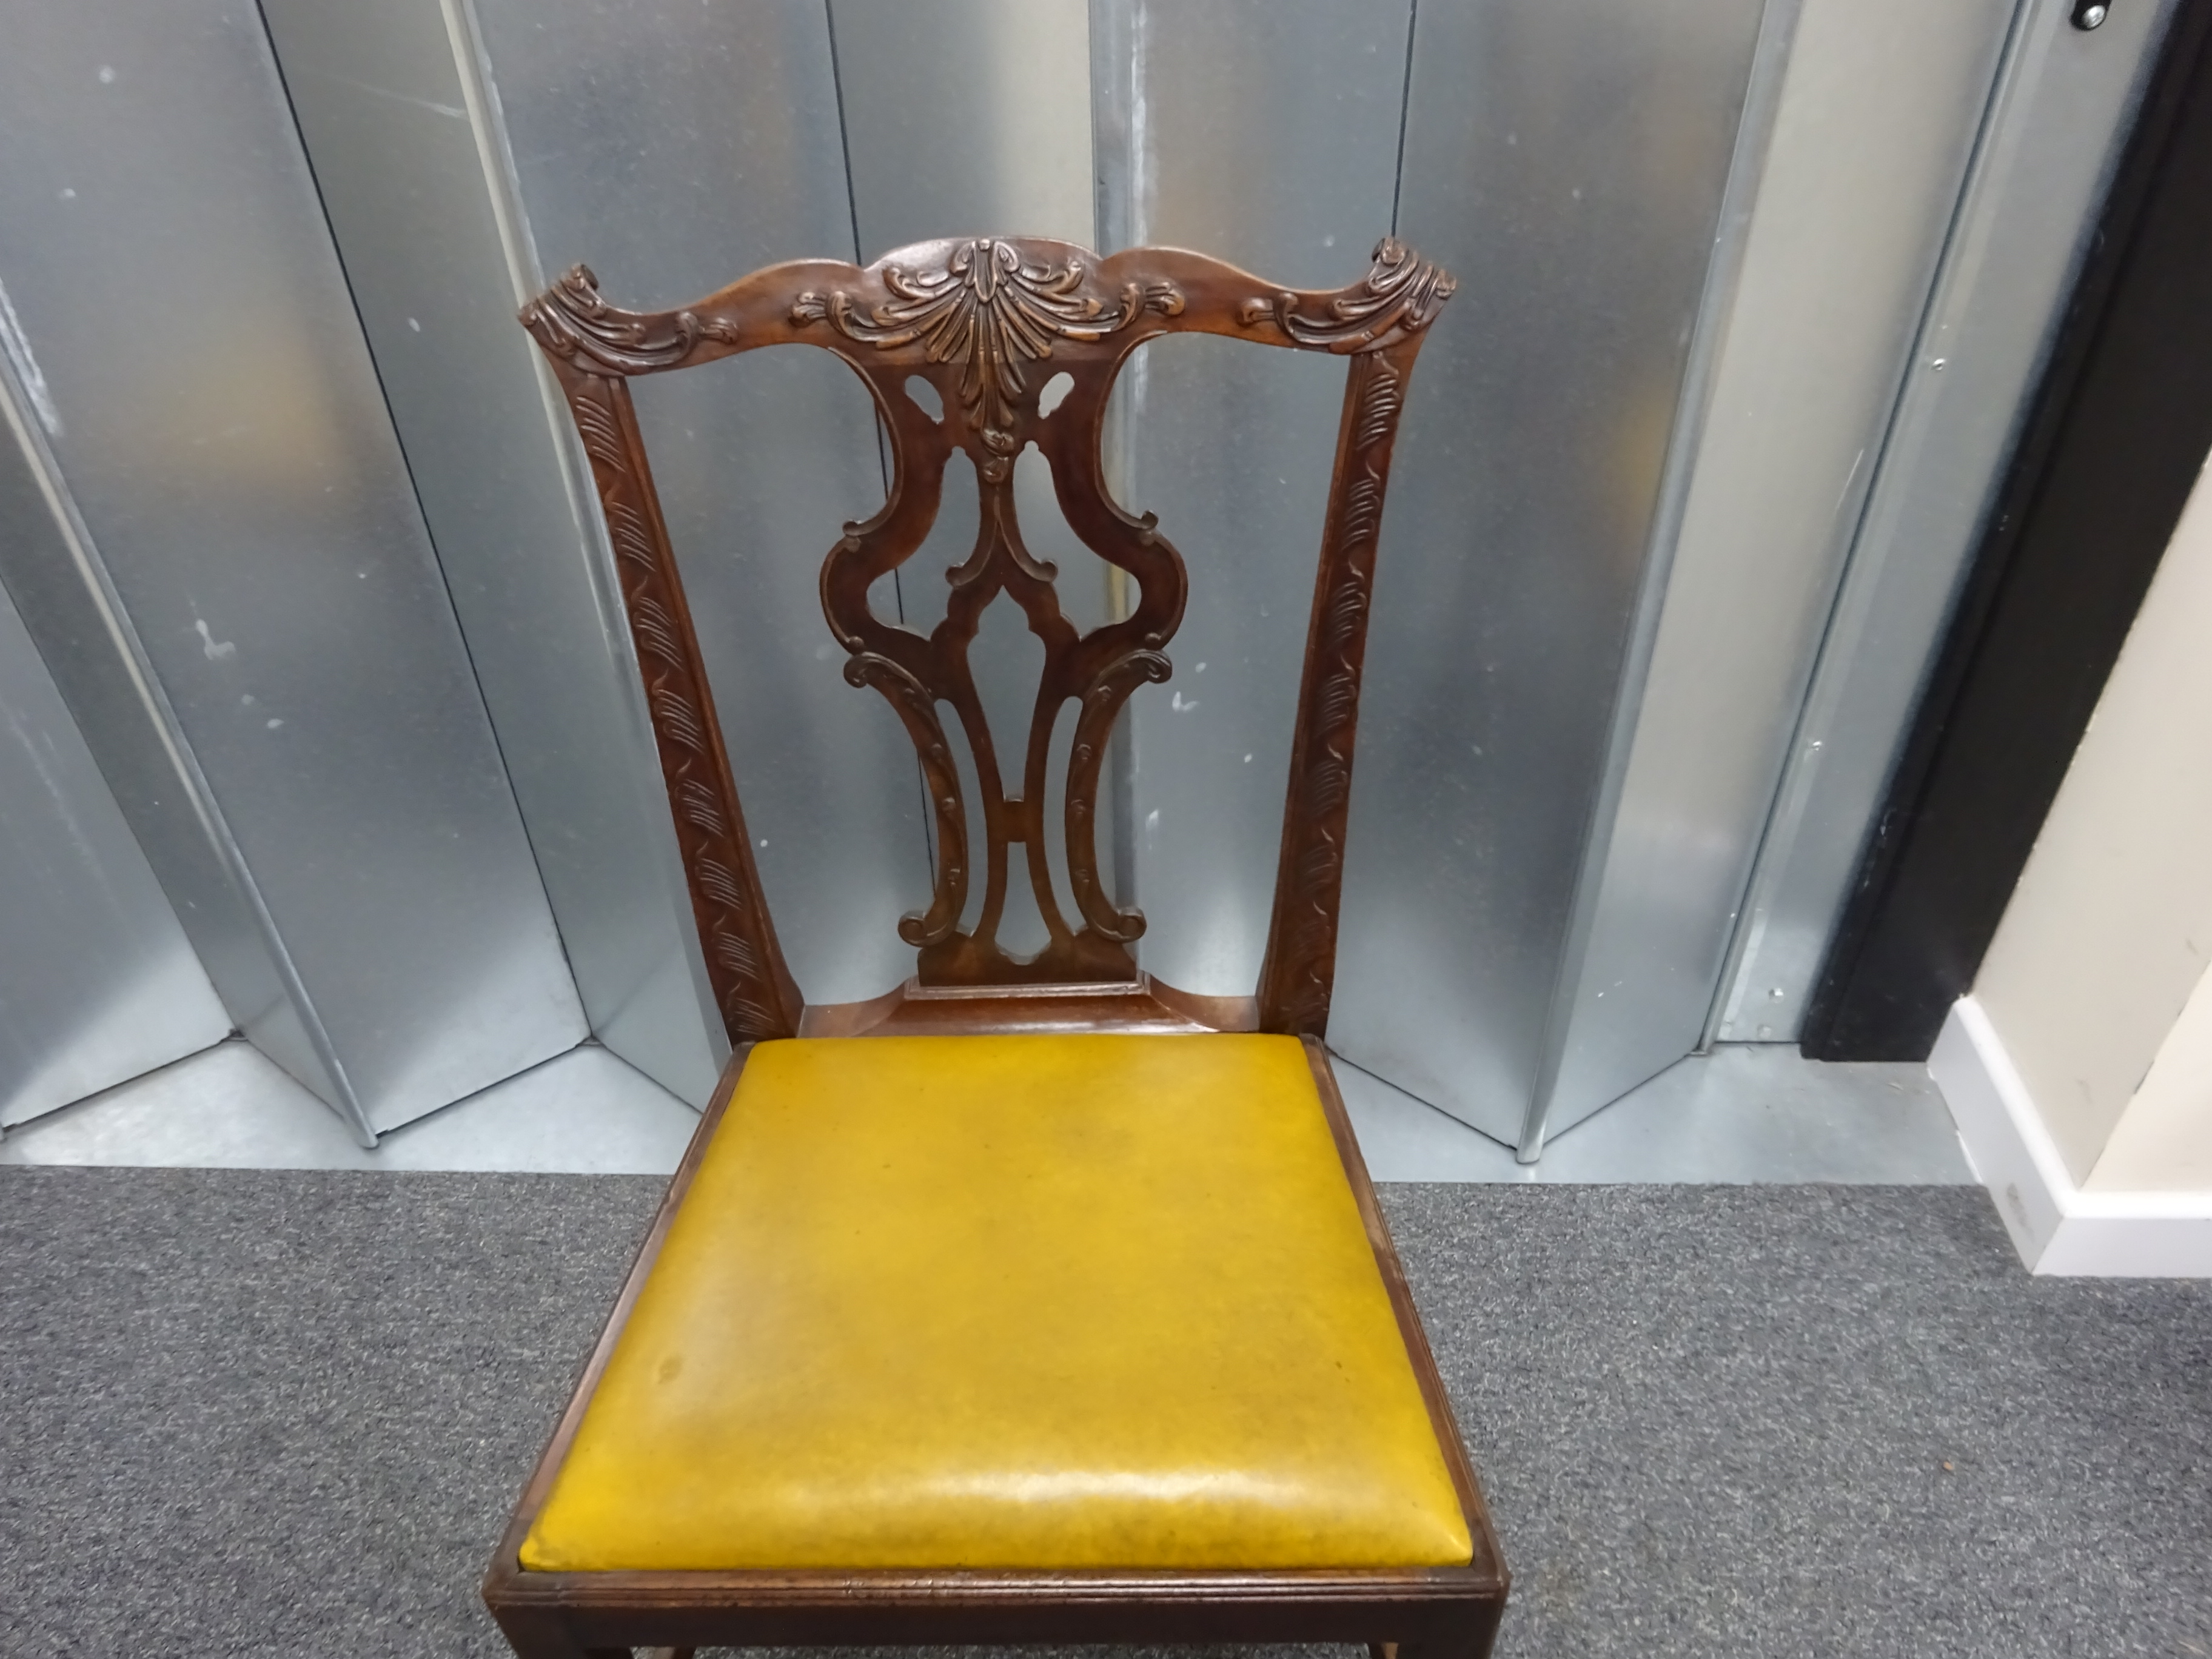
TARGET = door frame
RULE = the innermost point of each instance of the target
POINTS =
(2111, 447)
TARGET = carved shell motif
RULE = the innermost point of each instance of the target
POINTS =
(988, 311)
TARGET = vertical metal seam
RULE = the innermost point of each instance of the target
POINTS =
(1117, 113)
(1747, 169)
(844, 136)
(853, 218)
(488, 126)
(1788, 802)
(123, 634)
(1405, 114)
(882, 434)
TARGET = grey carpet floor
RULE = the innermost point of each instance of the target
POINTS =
(246, 1412)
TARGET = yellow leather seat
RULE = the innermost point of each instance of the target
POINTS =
(1014, 1302)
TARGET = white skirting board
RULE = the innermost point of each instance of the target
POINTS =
(2057, 1226)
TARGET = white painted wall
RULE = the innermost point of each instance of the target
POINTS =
(2107, 935)
(2080, 1068)
(2163, 1141)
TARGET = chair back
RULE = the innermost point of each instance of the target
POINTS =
(988, 322)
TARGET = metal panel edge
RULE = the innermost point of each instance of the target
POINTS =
(99, 983)
(428, 229)
(230, 452)
(678, 148)
(199, 863)
(1880, 113)
(1754, 130)
(1269, 136)
(2023, 219)
(480, 93)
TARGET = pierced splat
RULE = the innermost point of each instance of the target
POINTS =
(985, 326)
(988, 324)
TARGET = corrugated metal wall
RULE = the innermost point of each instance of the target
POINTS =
(330, 816)
(308, 549)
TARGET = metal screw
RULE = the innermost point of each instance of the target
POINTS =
(1939, 362)
(2088, 17)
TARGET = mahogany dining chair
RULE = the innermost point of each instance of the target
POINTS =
(1035, 1301)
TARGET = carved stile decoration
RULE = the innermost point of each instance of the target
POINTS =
(987, 321)
(1297, 971)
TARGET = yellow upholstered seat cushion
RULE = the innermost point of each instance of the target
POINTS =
(1018, 1302)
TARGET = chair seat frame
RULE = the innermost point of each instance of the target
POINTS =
(984, 319)
(1424, 1612)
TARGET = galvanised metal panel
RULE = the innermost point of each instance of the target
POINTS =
(97, 981)
(965, 117)
(221, 431)
(2064, 99)
(412, 171)
(675, 146)
(68, 601)
(1879, 110)
(1567, 162)
(1265, 133)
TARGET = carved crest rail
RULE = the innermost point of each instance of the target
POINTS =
(987, 322)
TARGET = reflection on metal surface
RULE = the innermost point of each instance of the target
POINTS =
(1877, 121)
(97, 981)
(675, 149)
(413, 189)
(1612, 807)
(100, 666)
(2064, 101)
(965, 118)
(1566, 162)
(225, 439)
(1231, 448)
(1266, 134)
(228, 1107)
(1548, 842)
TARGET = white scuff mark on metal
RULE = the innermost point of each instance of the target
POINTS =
(1178, 703)
(432, 105)
(217, 650)
(1850, 478)
(18, 347)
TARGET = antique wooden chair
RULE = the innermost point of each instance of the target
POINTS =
(1035, 1301)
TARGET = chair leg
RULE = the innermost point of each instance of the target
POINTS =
(534, 1634)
